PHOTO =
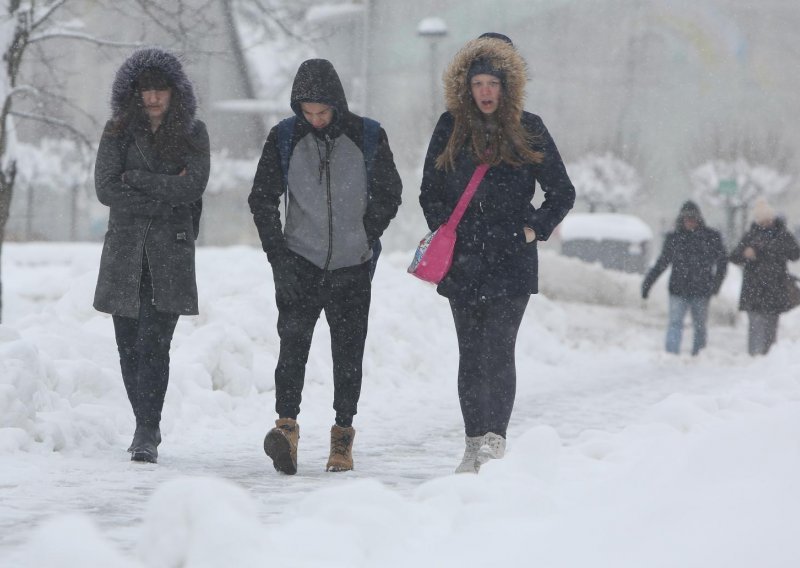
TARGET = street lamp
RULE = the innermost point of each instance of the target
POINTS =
(433, 29)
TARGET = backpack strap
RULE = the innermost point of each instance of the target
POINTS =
(285, 131)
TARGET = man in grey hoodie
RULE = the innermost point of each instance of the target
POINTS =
(340, 196)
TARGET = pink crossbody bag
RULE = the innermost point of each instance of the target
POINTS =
(434, 255)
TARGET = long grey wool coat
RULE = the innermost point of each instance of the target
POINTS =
(154, 212)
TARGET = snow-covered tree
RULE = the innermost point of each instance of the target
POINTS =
(733, 185)
(736, 183)
(605, 181)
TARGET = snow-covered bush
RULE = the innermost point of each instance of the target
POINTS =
(605, 181)
(736, 183)
(55, 164)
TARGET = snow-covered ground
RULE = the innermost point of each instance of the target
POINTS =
(619, 455)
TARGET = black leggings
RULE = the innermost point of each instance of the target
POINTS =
(143, 344)
(487, 374)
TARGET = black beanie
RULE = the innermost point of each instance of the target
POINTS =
(496, 35)
(483, 66)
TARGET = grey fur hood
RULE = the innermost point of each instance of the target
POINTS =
(124, 87)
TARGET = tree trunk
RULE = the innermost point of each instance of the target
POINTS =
(6, 190)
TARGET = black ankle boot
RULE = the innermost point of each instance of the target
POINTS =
(144, 447)
(158, 437)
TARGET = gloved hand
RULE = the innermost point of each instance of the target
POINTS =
(287, 284)
(645, 290)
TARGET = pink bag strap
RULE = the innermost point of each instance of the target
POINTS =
(466, 197)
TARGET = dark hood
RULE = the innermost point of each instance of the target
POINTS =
(156, 59)
(317, 82)
(689, 209)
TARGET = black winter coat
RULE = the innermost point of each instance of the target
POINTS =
(765, 277)
(491, 258)
(151, 210)
(699, 263)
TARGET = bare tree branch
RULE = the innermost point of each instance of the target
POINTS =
(65, 34)
(54, 122)
(24, 89)
(45, 16)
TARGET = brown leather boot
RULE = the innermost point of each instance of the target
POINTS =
(341, 458)
(280, 444)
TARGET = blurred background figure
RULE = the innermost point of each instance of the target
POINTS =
(699, 264)
(763, 253)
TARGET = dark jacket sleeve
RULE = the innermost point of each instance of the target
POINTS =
(178, 189)
(431, 196)
(781, 249)
(555, 183)
(385, 191)
(265, 198)
(722, 263)
(110, 189)
(737, 256)
(664, 260)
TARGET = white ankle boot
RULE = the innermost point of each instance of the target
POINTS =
(469, 463)
(492, 448)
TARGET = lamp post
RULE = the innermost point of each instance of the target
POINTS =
(433, 29)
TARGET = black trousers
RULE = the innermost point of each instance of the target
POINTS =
(487, 373)
(344, 295)
(143, 344)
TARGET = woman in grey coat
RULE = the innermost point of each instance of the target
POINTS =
(152, 168)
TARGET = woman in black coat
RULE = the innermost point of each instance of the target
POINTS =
(763, 253)
(494, 268)
(152, 168)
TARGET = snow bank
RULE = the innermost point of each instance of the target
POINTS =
(696, 483)
(684, 462)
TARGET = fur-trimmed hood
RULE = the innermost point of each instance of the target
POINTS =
(502, 56)
(124, 86)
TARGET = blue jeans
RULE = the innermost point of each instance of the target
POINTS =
(678, 306)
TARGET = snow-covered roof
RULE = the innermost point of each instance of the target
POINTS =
(605, 226)
(432, 26)
(327, 12)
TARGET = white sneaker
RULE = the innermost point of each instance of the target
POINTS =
(493, 448)
(469, 463)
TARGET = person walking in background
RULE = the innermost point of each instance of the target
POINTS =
(699, 263)
(151, 171)
(494, 267)
(763, 253)
(342, 190)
